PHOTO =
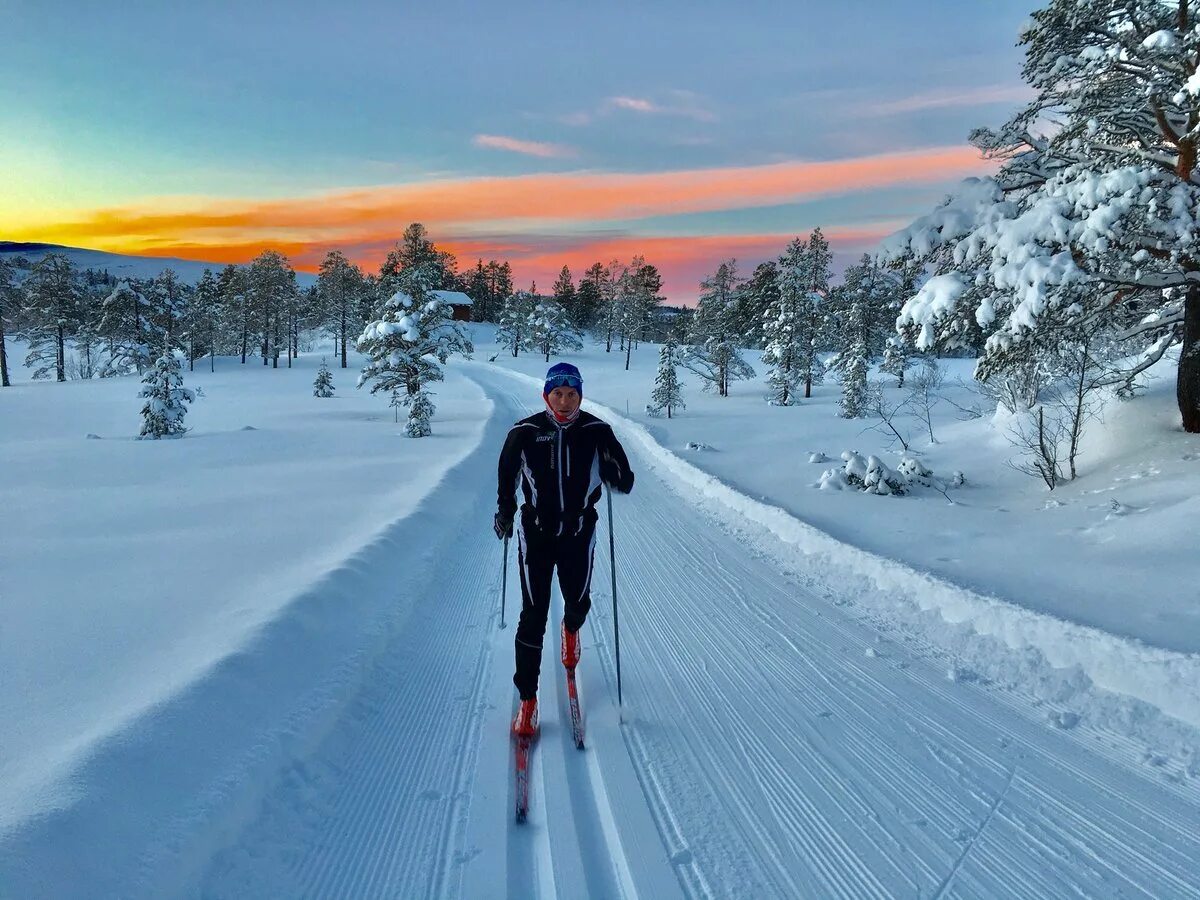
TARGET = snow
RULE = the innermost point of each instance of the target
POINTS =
(132, 567)
(256, 661)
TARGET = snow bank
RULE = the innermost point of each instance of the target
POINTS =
(1165, 679)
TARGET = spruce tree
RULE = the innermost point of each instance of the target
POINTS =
(125, 324)
(323, 385)
(550, 330)
(166, 398)
(516, 323)
(271, 282)
(713, 353)
(410, 341)
(804, 271)
(668, 391)
(420, 412)
(202, 323)
(341, 287)
(564, 293)
(588, 297)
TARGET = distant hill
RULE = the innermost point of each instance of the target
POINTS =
(122, 265)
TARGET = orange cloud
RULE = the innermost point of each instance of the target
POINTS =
(510, 204)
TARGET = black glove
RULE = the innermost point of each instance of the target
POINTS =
(503, 526)
(614, 476)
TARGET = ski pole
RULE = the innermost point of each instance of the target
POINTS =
(612, 555)
(504, 582)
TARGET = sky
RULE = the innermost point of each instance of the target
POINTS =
(542, 133)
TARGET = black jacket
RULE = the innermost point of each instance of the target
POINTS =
(560, 468)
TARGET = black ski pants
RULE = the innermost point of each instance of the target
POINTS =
(538, 555)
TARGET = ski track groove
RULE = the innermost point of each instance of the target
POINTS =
(975, 772)
(774, 755)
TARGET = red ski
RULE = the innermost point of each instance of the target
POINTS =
(576, 716)
(524, 749)
(524, 732)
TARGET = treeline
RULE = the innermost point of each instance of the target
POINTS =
(89, 323)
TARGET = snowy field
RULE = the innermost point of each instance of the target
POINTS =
(263, 660)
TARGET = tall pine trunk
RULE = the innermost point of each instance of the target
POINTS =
(343, 337)
(60, 362)
(1187, 385)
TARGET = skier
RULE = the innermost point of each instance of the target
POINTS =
(560, 455)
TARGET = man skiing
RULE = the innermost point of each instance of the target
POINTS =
(560, 456)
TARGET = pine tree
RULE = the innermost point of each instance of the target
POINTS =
(550, 330)
(1091, 215)
(168, 299)
(125, 324)
(804, 282)
(564, 293)
(416, 251)
(516, 327)
(668, 391)
(755, 298)
(232, 335)
(203, 321)
(410, 341)
(638, 303)
(854, 357)
(477, 290)
(271, 282)
(713, 352)
(52, 296)
(166, 399)
(609, 319)
(589, 296)
(323, 385)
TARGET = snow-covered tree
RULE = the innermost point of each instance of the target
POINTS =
(668, 392)
(169, 299)
(410, 341)
(755, 299)
(1093, 214)
(638, 301)
(803, 284)
(166, 398)
(416, 251)
(420, 411)
(608, 318)
(323, 385)
(341, 287)
(201, 325)
(550, 330)
(516, 327)
(52, 295)
(861, 305)
(271, 282)
(713, 353)
(125, 324)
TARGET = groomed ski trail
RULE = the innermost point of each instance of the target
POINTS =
(771, 745)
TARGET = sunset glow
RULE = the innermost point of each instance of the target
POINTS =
(546, 154)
